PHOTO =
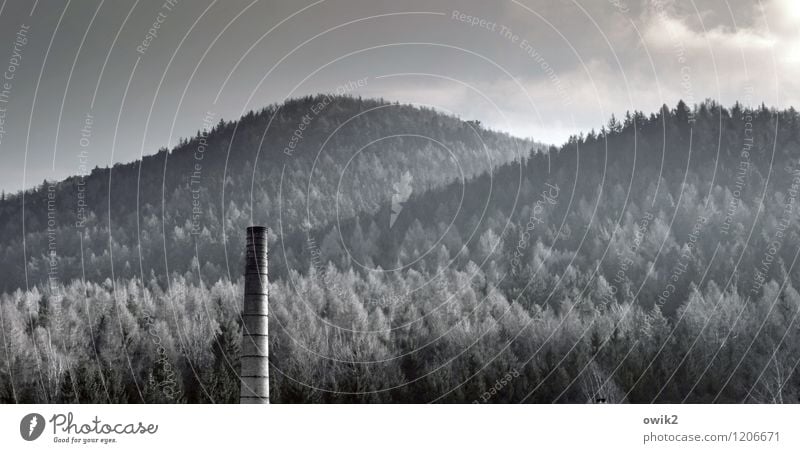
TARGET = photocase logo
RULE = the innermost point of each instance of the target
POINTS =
(31, 426)
(402, 191)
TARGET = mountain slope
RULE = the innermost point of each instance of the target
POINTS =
(650, 206)
(305, 162)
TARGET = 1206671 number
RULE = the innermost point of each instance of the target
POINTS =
(757, 436)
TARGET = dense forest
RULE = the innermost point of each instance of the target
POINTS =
(653, 260)
(343, 338)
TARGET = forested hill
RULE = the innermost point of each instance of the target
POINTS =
(643, 210)
(303, 162)
(652, 261)
(666, 200)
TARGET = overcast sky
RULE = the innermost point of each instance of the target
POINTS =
(536, 68)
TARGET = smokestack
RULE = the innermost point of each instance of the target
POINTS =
(255, 342)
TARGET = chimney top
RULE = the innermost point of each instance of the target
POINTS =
(256, 230)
